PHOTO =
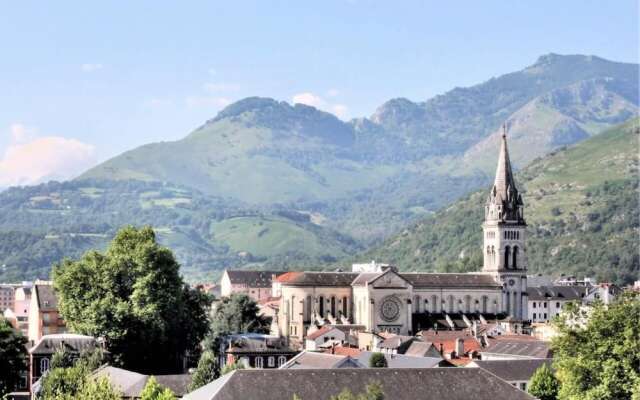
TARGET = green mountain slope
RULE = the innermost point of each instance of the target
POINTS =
(581, 204)
(40, 225)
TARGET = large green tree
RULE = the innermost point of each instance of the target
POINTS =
(13, 357)
(377, 360)
(207, 370)
(544, 385)
(134, 297)
(153, 391)
(597, 351)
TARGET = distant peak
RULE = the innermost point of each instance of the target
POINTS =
(397, 109)
(249, 104)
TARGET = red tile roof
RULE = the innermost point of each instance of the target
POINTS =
(344, 351)
(319, 332)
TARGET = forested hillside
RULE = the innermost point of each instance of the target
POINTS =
(40, 225)
(581, 205)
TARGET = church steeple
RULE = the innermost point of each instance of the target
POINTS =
(504, 228)
(504, 202)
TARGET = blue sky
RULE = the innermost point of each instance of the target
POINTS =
(83, 81)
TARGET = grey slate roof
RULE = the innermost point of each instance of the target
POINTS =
(395, 341)
(365, 277)
(397, 384)
(548, 293)
(513, 370)
(252, 278)
(131, 384)
(48, 344)
(421, 349)
(402, 360)
(520, 348)
(423, 280)
(319, 278)
(311, 360)
(47, 300)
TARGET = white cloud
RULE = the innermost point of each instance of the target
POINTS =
(311, 99)
(89, 67)
(31, 160)
(207, 102)
(21, 133)
(221, 87)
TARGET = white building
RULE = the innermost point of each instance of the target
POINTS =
(383, 299)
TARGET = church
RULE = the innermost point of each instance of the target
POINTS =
(380, 298)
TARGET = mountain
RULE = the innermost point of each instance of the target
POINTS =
(266, 183)
(264, 152)
(40, 225)
(581, 205)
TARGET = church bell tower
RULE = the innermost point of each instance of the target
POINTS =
(504, 231)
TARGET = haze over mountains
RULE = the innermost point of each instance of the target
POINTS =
(240, 188)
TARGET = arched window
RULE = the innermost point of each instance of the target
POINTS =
(484, 304)
(434, 304)
(333, 306)
(416, 304)
(505, 234)
(507, 250)
(308, 309)
(345, 307)
(44, 365)
(281, 360)
(271, 361)
(426, 306)
(467, 304)
(321, 306)
(258, 362)
(515, 257)
(450, 307)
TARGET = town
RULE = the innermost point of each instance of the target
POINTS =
(98, 331)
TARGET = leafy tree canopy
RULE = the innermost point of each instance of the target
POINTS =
(377, 360)
(544, 385)
(207, 370)
(597, 353)
(133, 296)
(153, 391)
(13, 357)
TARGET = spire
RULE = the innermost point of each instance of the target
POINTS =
(504, 182)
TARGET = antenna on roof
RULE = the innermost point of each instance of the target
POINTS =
(504, 130)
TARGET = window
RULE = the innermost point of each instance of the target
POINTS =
(281, 360)
(258, 362)
(534, 304)
(44, 365)
(507, 250)
(46, 317)
(545, 304)
(545, 316)
(534, 316)
(515, 257)
(523, 386)
(557, 304)
(333, 306)
(271, 361)
(321, 306)
(345, 304)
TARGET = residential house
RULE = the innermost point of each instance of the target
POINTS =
(254, 350)
(326, 334)
(18, 314)
(395, 344)
(41, 353)
(44, 317)
(255, 284)
(6, 296)
(516, 372)
(604, 292)
(545, 302)
(322, 384)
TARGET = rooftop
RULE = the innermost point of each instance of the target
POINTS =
(252, 278)
(513, 370)
(397, 384)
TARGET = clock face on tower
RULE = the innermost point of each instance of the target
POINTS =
(390, 308)
(511, 282)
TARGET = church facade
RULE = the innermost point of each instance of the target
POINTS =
(403, 303)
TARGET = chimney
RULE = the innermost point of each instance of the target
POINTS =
(459, 347)
(441, 349)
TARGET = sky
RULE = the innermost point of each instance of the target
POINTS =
(84, 81)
